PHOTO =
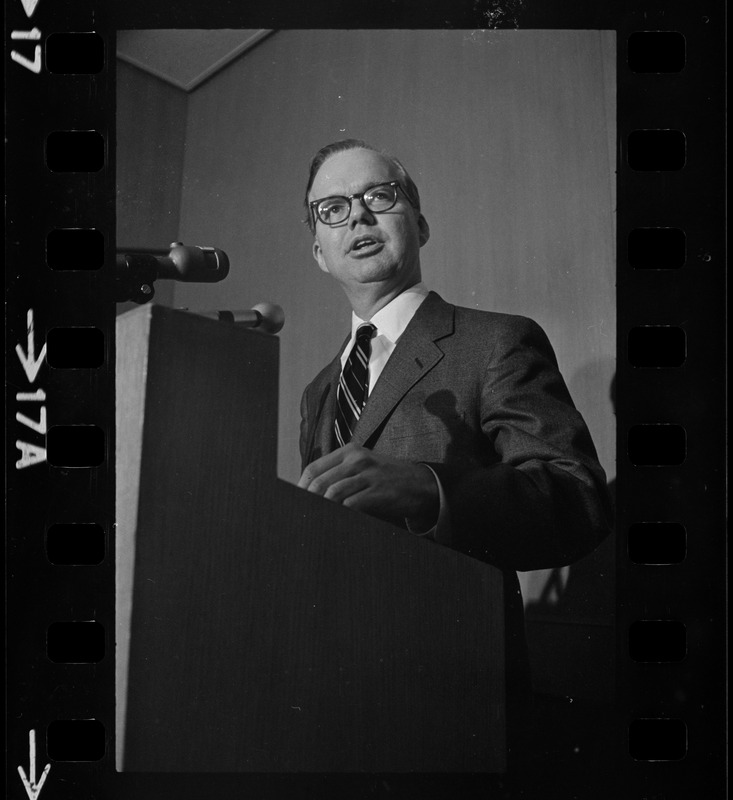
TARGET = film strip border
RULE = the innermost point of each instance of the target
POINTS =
(671, 441)
(60, 367)
(671, 350)
(60, 378)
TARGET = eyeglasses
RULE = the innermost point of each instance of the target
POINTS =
(336, 209)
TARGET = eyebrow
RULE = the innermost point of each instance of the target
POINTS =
(366, 185)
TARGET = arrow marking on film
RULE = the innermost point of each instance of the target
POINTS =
(29, 6)
(30, 363)
(32, 788)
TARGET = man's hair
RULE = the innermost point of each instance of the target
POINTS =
(408, 185)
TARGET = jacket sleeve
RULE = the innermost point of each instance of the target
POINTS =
(543, 502)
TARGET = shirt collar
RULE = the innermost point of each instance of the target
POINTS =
(392, 320)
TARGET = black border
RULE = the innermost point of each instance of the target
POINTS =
(693, 297)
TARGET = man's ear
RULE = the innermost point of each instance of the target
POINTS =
(318, 255)
(424, 230)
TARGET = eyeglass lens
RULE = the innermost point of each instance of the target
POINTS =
(333, 210)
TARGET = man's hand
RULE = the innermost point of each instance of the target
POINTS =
(376, 484)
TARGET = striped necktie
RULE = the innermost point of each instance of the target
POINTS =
(354, 385)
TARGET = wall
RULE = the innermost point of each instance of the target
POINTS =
(151, 128)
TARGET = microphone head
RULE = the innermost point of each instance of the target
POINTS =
(273, 317)
(194, 264)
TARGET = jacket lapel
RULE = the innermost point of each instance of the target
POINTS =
(321, 430)
(323, 440)
(414, 356)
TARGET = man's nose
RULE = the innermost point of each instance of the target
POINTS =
(360, 213)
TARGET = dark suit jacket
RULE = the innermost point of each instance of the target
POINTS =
(478, 396)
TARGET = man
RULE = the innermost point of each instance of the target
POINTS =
(463, 430)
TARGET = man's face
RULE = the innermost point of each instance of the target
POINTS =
(367, 248)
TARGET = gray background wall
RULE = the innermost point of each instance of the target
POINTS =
(510, 136)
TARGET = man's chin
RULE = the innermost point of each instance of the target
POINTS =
(376, 275)
(380, 270)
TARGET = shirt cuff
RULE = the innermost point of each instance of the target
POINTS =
(440, 532)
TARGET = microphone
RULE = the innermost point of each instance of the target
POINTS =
(190, 264)
(268, 317)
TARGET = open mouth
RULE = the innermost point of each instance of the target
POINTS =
(365, 244)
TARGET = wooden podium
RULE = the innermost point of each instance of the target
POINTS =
(261, 628)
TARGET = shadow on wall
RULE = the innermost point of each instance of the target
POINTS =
(570, 624)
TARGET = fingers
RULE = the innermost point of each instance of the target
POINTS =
(344, 491)
(355, 490)
(374, 483)
(319, 466)
(342, 476)
(348, 460)
(337, 474)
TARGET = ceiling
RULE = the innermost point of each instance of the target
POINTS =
(185, 58)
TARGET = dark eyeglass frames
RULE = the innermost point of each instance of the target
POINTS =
(336, 209)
